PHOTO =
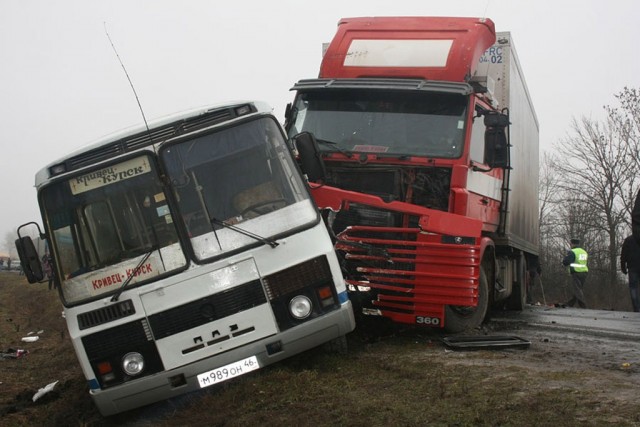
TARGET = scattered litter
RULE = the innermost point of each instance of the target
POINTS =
(44, 390)
(31, 333)
(626, 365)
(41, 331)
(13, 353)
(63, 314)
(31, 339)
(485, 341)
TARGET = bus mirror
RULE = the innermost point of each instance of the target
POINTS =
(29, 259)
(310, 158)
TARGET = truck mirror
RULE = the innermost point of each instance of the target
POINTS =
(496, 120)
(29, 259)
(310, 158)
(496, 148)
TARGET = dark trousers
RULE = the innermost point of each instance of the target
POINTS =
(634, 282)
(578, 280)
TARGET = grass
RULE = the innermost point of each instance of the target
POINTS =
(399, 377)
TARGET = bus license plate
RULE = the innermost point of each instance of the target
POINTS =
(232, 370)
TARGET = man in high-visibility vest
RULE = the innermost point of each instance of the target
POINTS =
(576, 260)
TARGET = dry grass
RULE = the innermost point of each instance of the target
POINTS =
(406, 378)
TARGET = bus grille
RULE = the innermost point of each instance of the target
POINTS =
(305, 274)
(105, 315)
(129, 335)
(153, 136)
(207, 309)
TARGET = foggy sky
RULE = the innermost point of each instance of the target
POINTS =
(61, 85)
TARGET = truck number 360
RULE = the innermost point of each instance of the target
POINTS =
(430, 321)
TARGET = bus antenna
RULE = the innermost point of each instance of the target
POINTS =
(130, 82)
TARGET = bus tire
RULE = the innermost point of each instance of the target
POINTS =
(459, 318)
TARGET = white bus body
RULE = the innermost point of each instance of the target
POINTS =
(187, 254)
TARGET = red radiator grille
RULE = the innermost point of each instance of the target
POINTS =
(409, 272)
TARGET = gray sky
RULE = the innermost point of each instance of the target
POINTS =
(61, 85)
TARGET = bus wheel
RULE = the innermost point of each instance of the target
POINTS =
(462, 318)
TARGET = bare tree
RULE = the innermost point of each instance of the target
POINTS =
(624, 121)
(594, 172)
(587, 190)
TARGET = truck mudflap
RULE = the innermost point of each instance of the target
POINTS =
(409, 275)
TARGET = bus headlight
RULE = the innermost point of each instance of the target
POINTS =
(133, 363)
(300, 307)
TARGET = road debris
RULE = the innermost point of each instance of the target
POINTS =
(13, 353)
(44, 390)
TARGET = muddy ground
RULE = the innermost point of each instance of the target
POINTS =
(391, 376)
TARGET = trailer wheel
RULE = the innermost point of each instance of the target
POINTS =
(462, 318)
(518, 299)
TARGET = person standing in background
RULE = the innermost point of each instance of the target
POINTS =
(635, 219)
(630, 263)
(576, 260)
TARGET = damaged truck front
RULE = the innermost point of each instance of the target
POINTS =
(421, 141)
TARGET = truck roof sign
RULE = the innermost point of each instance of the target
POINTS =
(398, 53)
(434, 48)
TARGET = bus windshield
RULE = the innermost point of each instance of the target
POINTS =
(236, 187)
(383, 122)
(103, 223)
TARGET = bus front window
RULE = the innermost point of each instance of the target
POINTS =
(104, 222)
(236, 186)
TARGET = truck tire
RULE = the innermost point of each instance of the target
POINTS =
(459, 319)
(518, 299)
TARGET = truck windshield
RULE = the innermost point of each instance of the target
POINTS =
(104, 222)
(385, 122)
(236, 187)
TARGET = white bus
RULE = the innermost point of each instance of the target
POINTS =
(187, 253)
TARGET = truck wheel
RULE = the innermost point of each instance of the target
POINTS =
(518, 299)
(461, 318)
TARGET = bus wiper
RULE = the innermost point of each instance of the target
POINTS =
(334, 147)
(146, 256)
(269, 242)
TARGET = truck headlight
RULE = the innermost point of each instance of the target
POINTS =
(133, 363)
(300, 307)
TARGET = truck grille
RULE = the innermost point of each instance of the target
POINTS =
(426, 187)
(406, 273)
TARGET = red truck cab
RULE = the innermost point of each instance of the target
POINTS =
(418, 170)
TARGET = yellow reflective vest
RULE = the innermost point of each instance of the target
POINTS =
(579, 265)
